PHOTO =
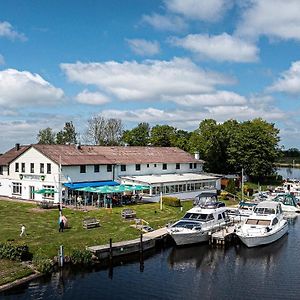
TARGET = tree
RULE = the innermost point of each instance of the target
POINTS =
(102, 131)
(46, 136)
(67, 135)
(138, 136)
(162, 135)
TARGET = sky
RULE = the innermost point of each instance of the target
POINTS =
(172, 62)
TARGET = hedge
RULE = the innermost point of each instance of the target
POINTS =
(171, 201)
(14, 251)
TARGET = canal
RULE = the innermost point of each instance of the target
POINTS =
(198, 272)
(289, 172)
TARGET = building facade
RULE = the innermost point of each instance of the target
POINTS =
(26, 170)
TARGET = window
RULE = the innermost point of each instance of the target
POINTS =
(17, 188)
(220, 217)
(109, 168)
(123, 168)
(275, 221)
(177, 166)
(1, 170)
(48, 195)
(23, 167)
(42, 168)
(148, 165)
(96, 168)
(16, 167)
(154, 165)
(164, 166)
(138, 167)
(48, 168)
(83, 169)
(195, 165)
(31, 167)
(191, 166)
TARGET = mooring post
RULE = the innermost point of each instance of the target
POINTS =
(110, 249)
(141, 243)
(61, 256)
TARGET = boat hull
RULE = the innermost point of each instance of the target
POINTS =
(254, 241)
(182, 239)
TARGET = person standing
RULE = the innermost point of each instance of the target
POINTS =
(23, 231)
(61, 225)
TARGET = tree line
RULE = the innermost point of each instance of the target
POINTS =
(225, 147)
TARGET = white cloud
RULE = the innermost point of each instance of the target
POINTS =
(94, 98)
(273, 18)
(165, 22)
(2, 61)
(218, 98)
(143, 47)
(22, 88)
(149, 80)
(210, 11)
(7, 31)
(222, 47)
(289, 82)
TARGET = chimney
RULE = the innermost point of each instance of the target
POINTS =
(197, 155)
(78, 146)
(17, 146)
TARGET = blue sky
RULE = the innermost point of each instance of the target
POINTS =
(161, 61)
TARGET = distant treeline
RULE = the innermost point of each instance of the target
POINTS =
(289, 157)
(226, 147)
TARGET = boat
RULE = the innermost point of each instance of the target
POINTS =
(198, 223)
(266, 225)
(242, 212)
(289, 203)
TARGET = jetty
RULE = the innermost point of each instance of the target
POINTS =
(222, 236)
(146, 241)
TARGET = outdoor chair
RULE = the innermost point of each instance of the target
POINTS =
(128, 213)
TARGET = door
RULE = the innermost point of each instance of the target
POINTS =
(31, 192)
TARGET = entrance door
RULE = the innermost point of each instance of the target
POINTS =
(31, 192)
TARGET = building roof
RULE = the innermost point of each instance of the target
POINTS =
(89, 155)
(169, 178)
(12, 154)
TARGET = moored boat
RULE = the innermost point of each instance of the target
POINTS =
(266, 225)
(289, 203)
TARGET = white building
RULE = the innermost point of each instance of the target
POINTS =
(24, 170)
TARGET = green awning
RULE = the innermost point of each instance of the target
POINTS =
(107, 189)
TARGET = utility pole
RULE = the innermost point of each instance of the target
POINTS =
(242, 184)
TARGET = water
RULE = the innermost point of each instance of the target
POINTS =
(198, 272)
(289, 172)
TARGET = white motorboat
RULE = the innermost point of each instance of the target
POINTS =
(198, 222)
(242, 212)
(266, 225)
(289, 203)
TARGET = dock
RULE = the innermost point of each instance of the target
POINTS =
(222, 236)
(145, 242)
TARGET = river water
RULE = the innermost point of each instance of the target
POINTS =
(289, 172)
(197, 272)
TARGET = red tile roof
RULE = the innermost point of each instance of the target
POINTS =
(12, 154)
(89, 155)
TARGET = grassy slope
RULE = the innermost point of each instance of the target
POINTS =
(44, 239)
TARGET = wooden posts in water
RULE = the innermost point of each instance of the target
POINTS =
(61, 257)
(110, 249)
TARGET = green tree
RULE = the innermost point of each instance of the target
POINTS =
(68, 135)
(162, 135)
(138, 136)
(46, 136)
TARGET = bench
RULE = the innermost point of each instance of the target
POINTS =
(90, 223)
(128, 213)
(47, 204)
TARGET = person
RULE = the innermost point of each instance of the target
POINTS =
(23, 231)
(61, 225)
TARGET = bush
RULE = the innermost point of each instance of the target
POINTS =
(14, 251)
(81, 257)
(171, 201)
(44, 265)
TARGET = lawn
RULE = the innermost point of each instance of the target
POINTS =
(12, 270)
(44, 239)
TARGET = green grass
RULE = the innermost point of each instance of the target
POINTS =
(12, 270)
(44, 239)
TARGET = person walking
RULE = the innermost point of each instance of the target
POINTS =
(61, 225)
(23, 231)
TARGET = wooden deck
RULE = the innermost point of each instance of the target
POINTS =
(223, 235)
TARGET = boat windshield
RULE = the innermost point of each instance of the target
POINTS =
(199, 217)
(286, 200)
(188, 225)
(258, 222)
(264, 210)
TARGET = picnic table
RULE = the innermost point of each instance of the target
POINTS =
(128, 213)
(90, 223)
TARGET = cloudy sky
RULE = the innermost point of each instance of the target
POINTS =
(170, 62)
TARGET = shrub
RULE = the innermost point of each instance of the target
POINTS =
(44, 265)
(14, 251)
(171, 201)
(81, 257)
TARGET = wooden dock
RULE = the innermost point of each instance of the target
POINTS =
(222, 236)
(145, 242)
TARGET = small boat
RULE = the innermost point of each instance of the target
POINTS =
(198, 223)
(289, 203)
(266, 225)
(242, 212)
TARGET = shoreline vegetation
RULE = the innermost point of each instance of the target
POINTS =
(43, 239)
